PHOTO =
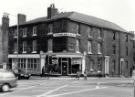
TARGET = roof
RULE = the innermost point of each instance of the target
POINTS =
(87, 19)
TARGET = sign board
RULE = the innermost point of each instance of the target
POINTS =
(64, 34)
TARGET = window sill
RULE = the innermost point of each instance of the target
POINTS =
(34, 51)
(24, 52)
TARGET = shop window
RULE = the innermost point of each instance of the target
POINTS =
(114, 66)
(34, 31)
(89, 47)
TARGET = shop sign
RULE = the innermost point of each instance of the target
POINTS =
(76, 61)
(64, 34)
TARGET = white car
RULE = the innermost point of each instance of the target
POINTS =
(7, 80)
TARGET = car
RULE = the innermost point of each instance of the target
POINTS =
(7, 80)
(22, 74)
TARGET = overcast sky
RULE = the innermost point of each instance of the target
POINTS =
(121, 12)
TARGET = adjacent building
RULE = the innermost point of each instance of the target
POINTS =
(67, 42)
(4, 41)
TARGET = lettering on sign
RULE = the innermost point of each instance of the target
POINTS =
(65, 34)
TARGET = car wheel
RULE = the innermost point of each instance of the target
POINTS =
(5, 88)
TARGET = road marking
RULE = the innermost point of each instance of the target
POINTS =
(51, 91)
(80, 91)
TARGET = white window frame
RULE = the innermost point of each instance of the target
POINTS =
(24, 46)
(34, 46)
(89, 31)
(99, 33)
(34, 32)
(89, 47)
(77, 46)
(24, 32)
(99, 48)
(15, 47)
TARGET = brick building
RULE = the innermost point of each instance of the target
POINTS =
(69, 42)
(4, 41)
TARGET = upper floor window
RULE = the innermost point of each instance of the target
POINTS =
(15, 47)
(114, 35)
(77, 29)
(89, 32)
(24, 47)
(99, 49)
(50, 28)
(34, 30)
(77, 45)
(99, 33)
(114, 49)
(127, 51)
(15, 33)
(126, 37)
(89, 47)
(126, 64)
(24, 31)
(34, 46)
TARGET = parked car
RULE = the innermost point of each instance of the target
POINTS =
(22, 74)
(7, 80)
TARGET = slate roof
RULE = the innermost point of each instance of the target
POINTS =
(87, 19)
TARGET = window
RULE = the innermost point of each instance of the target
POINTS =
(15, 47)
(77, 45)
(89, 47)
(114, 35)
(126, 64)
(99, 48)
(99, 33)
(24, 30)
(114, 66)
(24, 47)
(114, 49)
(34, 31)
(89, 32)
(50, 28)
(127, 51)
(15, 33)
(77, 29)
(34, 44)
(126, 37)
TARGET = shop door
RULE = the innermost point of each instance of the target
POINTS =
(64, 68)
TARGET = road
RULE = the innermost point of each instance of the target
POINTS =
(71, 87)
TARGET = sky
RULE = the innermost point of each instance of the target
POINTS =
(121, 12)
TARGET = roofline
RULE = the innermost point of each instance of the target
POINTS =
(49, 20)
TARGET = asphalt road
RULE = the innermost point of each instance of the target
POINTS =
(71, 87)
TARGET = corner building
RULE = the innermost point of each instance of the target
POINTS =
(69, 42)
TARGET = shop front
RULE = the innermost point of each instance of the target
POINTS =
(63, 64)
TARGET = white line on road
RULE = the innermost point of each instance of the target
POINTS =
(80, 91)
(51, 91)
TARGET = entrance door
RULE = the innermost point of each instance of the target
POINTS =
(64, 68)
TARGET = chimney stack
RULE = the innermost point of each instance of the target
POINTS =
(21, 18)
(51, 11)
